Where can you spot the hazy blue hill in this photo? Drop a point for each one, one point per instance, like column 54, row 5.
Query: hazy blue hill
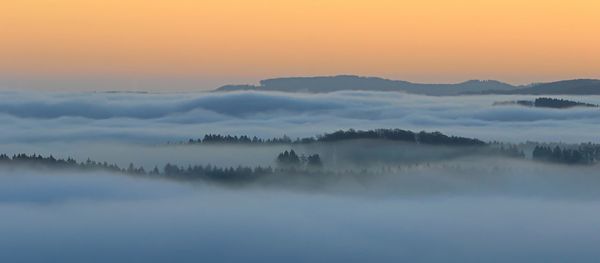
column 330, row 84
column 236, row 88
column 348, row 82
column 564, row 87
column 460, row 88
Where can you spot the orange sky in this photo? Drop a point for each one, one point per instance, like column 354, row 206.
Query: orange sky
column 242, row 41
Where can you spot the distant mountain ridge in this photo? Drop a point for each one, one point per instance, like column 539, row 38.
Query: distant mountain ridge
column 563, row 87
column 325, row 84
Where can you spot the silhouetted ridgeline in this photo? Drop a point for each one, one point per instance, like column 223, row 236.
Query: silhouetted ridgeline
column 547, row 103
column 291, row 163
column 39, row 161
column 207, row 172
column 560, row 103
column 564, row 87
column 225, row 139
column 348, row 82
column 325, row 84
column 430, row 138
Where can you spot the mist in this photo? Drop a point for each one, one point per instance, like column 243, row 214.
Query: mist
column 371, row 201
column 100, row 217
column 150, row 118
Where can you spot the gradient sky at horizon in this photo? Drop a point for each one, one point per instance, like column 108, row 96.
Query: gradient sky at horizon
column 180, row 44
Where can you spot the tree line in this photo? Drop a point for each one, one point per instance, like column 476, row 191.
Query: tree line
column 584, row 154
column 287, row 161
column 37, row 160
column 544, row 102
column 431, row 138
column 292, row 159
column 244, row 139
column 560, row 103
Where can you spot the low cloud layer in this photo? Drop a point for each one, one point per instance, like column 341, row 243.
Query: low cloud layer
column 89, row 217
column 158, row 118
column 465, row 209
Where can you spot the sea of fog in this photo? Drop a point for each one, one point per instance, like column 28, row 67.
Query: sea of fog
column 475, row 209
column 99, row 217
column 145, row 128
column 158, row 118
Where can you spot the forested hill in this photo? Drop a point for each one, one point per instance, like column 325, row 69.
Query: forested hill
column 560, row 103
column 564, row 87
column 430, row 138
column 547, row 103
column 326, row 84
column 348, row 82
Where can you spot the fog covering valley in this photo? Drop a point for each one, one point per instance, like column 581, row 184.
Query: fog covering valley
column 540, row 213
column 375, row 200
column 151, row 117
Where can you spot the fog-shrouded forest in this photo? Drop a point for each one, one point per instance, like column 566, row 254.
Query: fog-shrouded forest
column 544, row 102
column 341, row 155
column 267, row 176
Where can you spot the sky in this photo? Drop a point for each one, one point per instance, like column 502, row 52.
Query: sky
column 201, row 44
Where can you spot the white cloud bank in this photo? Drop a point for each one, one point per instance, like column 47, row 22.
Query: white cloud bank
column 523, row 214
column 53, row 217
column 157, row 118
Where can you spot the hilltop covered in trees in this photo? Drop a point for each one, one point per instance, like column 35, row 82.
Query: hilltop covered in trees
column 547, row 103
column 560, row 103
column 430, row 138
column 244, row 139
column 325, row 84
